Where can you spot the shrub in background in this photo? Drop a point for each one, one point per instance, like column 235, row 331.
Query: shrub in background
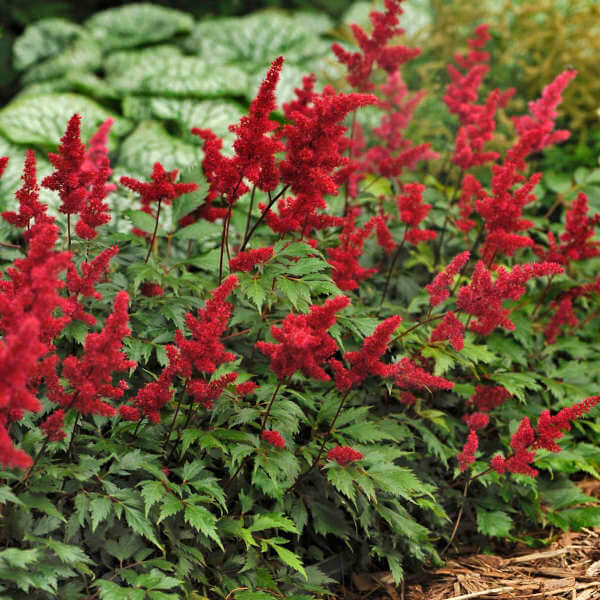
column 302, row 356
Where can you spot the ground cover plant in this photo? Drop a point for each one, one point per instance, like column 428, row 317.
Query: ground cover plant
column 302, row 357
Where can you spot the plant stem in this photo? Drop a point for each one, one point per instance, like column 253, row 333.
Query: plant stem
column 542, row 296
column 264, row 421
column 73, row 434
column 168, row 439
column 154, row 232
column 35, row 460
column 459, row 517
column 250, row 208
column 262, row 216
column 391, row 270
column 138, row 426
column 325, row 440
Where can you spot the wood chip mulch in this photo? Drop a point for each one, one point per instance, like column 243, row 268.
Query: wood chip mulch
column 568, row 569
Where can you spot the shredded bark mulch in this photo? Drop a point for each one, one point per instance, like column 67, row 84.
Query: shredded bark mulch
column 568, row 569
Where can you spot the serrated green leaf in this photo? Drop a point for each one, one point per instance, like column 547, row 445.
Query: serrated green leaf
column 289, row 558
column 6, row 495
column 443, row 361
column 41, row 503
column 141, row 220
column 203, row 521
column 171, row 505
column 517, row 383
column 200, row 231
column 399, row 481
column 264, row 521
column 99, row 509
column 152, row 492
column 140, row 525
column 343, row 481
column 15, row 557
column 493, row 523
column 111, row 591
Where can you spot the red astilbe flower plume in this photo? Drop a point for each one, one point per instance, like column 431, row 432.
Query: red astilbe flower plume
column 205, row 351
column 467, row 456
column 3, row 164
column 477, row 122
column 409, row 376
column 20, row 351
column 549, row 428
column 206, row 393
column 450, row 329
column 477, row 421
column 69, row 179
column 151, row 289
column 536, row 130
column 97, row 154
column 576, row 240
column 246, row 261
column 90, row 376
column 344, row 455
column 28, row 196
column 255, row 147
column 366, row 361
column 274, row 438
column 304, row 343
column 53, row 426
column 34, row 283
column 413, row 211
column 162, row 186
column 563, row 315
column 95, row 212
column 438, row 289
column 85, row 284
column 486, row 397
column 155, row 394
column 374, row 50
column 482, row 298
column 347, row 272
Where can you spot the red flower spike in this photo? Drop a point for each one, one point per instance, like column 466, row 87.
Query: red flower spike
column 486, row 397
column 28, row 196
column 246, row 388
column 374, row 49
column 90, row 376
column 53, row 426
column 205, row 352
column 365, row 361
column 162, row 186
column 344, row 455
column 482, row 298
column 304, row 343
column 274, row 438
column 3, row 163
column 246, row 261
column 69, row 179
column 450, row 329
column 467, row 456
column 151, row 289
column 476, row 421
column 206, row 393
column 129, row 413
column 438, row 288
column 408, row 376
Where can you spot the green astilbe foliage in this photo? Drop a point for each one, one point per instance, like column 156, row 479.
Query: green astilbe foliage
column 240, row 470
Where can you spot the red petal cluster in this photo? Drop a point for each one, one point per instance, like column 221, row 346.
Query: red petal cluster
column 412, row 211
column 344, row 455
column 365, row 362
column 482, row 298
column 438, row 288
column 273, row 437
column 450, row 329
column 373, row 48
column 467, row 456
column 53, row 426
column 304, row 343
column 408, row 376
column 487, row 397
column 246, row 261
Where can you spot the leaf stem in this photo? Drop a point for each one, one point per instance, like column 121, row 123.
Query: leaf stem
column 154, row 232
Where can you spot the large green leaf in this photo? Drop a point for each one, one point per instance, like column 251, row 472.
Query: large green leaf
column 44, row 39
column 83, row 55
column 42, row 120
column 137, row 24
column 149, row 143
column 216, row 115
column 164, row 72
column 257, row 39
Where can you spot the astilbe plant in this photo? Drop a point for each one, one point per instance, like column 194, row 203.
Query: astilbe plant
column 322, row 373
